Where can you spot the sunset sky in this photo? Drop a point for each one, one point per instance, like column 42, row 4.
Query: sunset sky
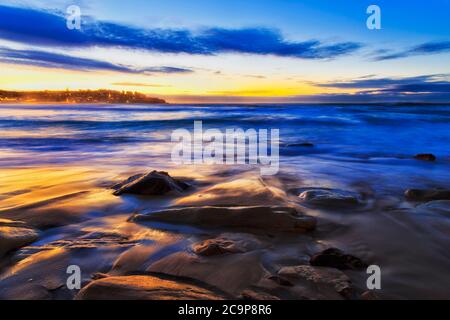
column 231, row 51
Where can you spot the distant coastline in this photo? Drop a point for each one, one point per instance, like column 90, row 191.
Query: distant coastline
column 77, row 96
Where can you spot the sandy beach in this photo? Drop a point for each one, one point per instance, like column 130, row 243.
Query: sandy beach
column 217, row 232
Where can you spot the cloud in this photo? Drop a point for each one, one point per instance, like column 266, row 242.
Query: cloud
column 371, row 82
column 422, row 49
column 61, row 61
column 45, row 28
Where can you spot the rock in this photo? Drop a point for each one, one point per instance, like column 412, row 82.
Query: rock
column 227, row 243
column 324, row 197
column 254, row 295
column 280, row 280
column 230, row 273
column 213, row 247
column 427, row 194
column 425, row 157
column 256, row 217
column 318, row 282
column 335, row 258
column 12, row 238
column 153, row 183
column 301, row 144
column 143, row 288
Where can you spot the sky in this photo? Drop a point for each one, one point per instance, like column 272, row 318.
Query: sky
column 266, row 51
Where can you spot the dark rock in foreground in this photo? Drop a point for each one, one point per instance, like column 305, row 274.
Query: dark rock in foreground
column 335, row 258
column 427, row 194
column 324, row 197
column 153, row 183
column 143, row 288
column 425, row 157
column 254, row 217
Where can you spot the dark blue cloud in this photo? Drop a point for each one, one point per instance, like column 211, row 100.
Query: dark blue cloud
column 422, row 49
column 49, row 29
column 62, row 61
column 424, row 88
column 382, row 83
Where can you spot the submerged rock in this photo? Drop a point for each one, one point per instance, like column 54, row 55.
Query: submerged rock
column 335, row 258
column 254, row 217
column 143, row 288
column 213, row 247
column 324, row 197
column 12, row 238
column 153, row 183
column 425, row 157
column 227, row 243
column 427, row 194
column 248, row 191
column 318, row 282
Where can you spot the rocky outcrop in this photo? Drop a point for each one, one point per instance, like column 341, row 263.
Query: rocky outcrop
column 425, row 157
column 283, row 219
column 335, row 258
column 12, row 238
column 143, row 287
column 153, row 183
column 333, row 198
column 427, row 194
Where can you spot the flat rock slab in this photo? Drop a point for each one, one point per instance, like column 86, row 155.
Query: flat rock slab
column 318, row 282
column 12, row 238
column 335, row 258
column 325, row 197
column 427, row 194
column 153, row 183
column 143, row 288
column 283, row 219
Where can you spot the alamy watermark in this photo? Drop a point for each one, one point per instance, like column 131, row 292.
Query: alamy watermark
column 234, row 146
column 73, row 18
column 374, row 20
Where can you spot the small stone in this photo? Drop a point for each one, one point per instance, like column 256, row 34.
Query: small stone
column 425, row 157
column 335, row 258
column 153, row 183
column 324, row 197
